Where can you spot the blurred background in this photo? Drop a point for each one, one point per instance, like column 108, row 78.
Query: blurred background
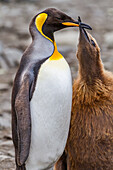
column 15, row 16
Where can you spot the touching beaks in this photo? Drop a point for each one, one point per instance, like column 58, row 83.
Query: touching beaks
column 76, row 24
column 85, row 26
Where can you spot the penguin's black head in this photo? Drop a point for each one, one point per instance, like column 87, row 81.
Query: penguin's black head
column 57, row 20
column 51, row 20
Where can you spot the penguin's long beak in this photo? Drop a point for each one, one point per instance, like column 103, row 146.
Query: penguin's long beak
column 76, row 24
column 83, row 34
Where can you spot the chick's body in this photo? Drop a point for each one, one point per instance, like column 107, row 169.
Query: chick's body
column 90, row 143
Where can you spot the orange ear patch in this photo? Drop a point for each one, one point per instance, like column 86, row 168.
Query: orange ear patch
column 39, row 22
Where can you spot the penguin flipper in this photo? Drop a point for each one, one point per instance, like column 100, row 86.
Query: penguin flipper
column 20, row 167
column 22, row 109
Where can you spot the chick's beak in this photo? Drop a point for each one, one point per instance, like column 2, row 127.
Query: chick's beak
column 76, row 24
column 83, row 35
column 85, row 26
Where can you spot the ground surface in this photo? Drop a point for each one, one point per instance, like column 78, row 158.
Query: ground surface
column 14, row 38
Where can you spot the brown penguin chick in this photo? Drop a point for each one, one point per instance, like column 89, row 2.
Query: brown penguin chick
column 90, row 141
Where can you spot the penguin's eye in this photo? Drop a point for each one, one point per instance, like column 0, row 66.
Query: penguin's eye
column 58, row 17
column 93, row 43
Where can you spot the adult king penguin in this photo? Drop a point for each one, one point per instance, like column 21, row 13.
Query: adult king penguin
column 42, row 95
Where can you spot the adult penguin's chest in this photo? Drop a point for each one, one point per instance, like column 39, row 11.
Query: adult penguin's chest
column 50, row 112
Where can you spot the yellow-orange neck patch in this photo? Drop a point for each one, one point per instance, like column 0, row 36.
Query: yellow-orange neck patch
column 56, row 55
column 39, row 22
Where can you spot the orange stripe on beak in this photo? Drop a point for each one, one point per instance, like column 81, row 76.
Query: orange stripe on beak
column 70, row 24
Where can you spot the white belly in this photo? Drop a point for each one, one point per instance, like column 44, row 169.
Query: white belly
column 50, row 114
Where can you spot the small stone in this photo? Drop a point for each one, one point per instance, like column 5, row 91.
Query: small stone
column 2, row 71
column 3, row 64
column 110, row 11
column 5, row 120
column 12, row 56
column 7, row 161
column 109, row 40
column 4, row 86
column 5, row 107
